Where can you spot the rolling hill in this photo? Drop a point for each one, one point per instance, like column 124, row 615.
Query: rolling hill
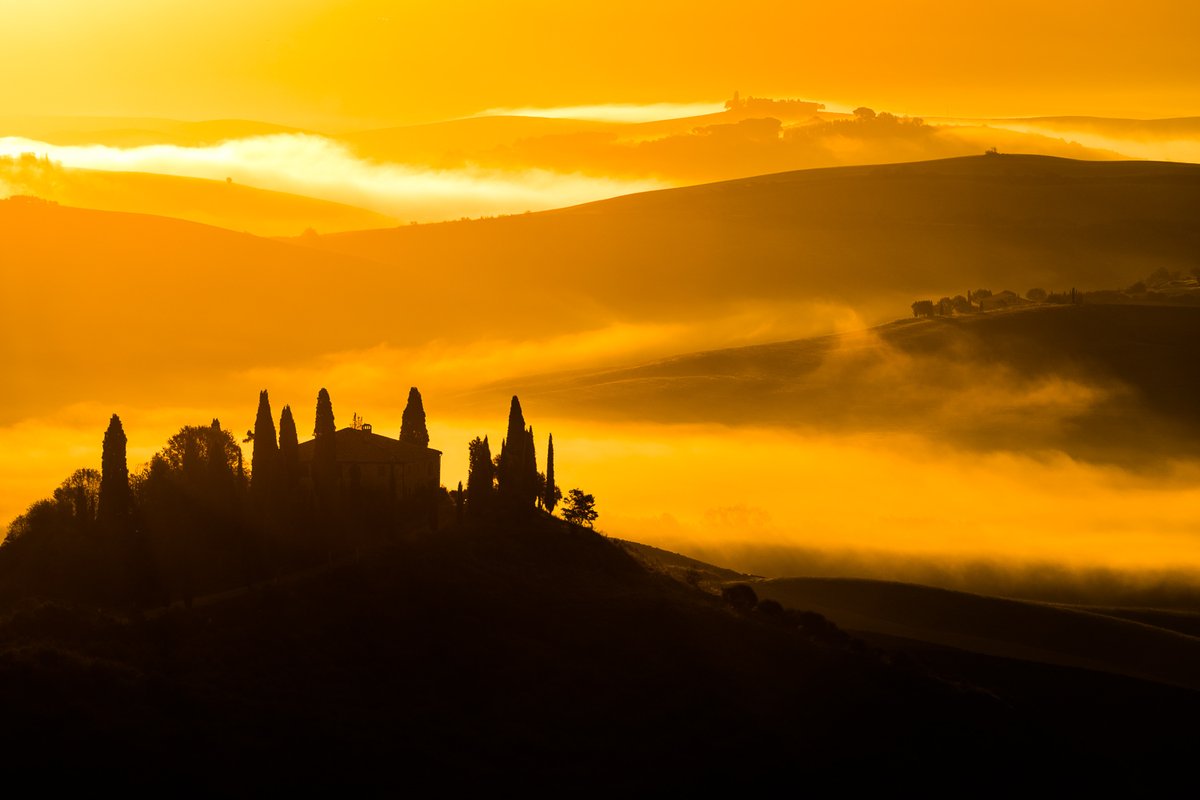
column 1040, row 377
column 1171, row 128
column 767, row 253
column 219, row 203
column 70, row 273
column 767, row 138
column 871, row 238
column 993, row 626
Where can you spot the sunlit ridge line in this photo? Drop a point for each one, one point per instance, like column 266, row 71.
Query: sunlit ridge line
column 610, row 112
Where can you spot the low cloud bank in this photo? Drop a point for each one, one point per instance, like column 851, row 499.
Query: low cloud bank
column 316, row 166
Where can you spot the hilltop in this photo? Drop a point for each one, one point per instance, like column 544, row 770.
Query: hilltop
column 509, row 653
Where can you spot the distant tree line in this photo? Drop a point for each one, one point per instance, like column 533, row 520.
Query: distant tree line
column 1161, row 287
column 980, row 300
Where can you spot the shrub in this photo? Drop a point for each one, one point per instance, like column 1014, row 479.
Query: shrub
column 740, row 596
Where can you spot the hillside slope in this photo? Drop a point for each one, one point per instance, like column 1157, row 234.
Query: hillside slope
column 756, row 260
column 1069, row 377
column 997, row 626
column 99, row 295
column 518, row 655
column 872, row 238
column 219, row 203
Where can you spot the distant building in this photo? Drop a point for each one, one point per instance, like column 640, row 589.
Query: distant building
column 368, row 461
column 1003, row 299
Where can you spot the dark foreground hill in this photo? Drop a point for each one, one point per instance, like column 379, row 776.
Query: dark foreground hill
column 1097, row 639
column 530, row 656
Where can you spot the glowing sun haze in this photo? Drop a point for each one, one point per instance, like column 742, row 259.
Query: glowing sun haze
column 353, row 62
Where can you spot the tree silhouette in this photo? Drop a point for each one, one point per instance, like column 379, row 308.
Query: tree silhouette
column 78, row 499
column 412, row 424
column 289, row 452
column 220, row 470
column 200, row 453
column 264, row 459
column 580, row 508
column 114, row 477
column 529, row 472
column 550, row 492
column 481, row 477
column 324, row 464
column 516, row 484
column 190, row 500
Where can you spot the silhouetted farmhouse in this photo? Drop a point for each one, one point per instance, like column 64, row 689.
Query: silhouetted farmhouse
column 367, row 460
column 1004, row 299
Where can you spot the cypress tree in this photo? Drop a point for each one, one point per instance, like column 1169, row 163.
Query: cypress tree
column 113, row 508
column 219, row 483
column 214, row 454
column 289, row 450
column 412, row 424
column 324, row 449
column 550, row 498
column 264, row 459
column 324, row 423
column 481, row 476
column 529, row 474
column 513, row 461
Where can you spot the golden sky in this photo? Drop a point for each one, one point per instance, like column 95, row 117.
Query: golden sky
column 330, row 63
column 340, row 67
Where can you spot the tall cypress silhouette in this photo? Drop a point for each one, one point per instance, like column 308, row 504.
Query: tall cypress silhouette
column 113, row 510
column 324, row 465
column 412, row 424
column 529, row 472
column 481, row 476
column 214, row 456
column 264, row 459
column 289, row 451
column 513, row 463
column 550, row 496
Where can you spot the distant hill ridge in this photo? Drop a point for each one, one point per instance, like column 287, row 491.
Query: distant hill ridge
column 869, row 239
column 872, row 238
column 905, row 375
